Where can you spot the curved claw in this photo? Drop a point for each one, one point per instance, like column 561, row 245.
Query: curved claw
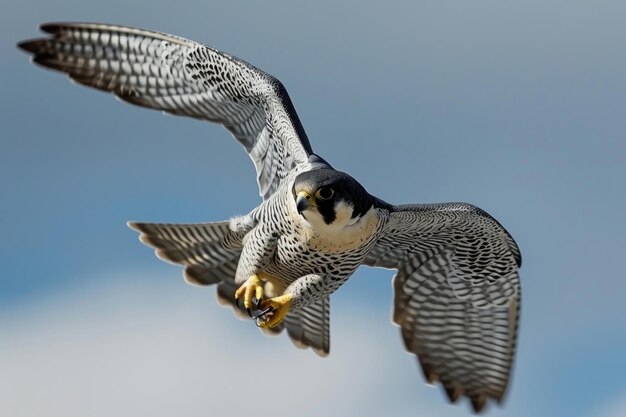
column 240, row 306
column 261, row 314
column 279, row 307
column 257, row 305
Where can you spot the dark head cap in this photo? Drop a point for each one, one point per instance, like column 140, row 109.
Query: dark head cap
column 325, row 188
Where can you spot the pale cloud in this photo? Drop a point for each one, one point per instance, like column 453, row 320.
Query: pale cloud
column 167, row 350
column 614, row 408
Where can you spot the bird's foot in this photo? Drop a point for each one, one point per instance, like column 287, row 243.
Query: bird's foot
column 273, row 311
column 252, row 293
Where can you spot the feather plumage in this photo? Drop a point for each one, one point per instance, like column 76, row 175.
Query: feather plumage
column 182, row 77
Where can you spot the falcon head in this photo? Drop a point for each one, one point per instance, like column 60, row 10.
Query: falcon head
column 330, row 200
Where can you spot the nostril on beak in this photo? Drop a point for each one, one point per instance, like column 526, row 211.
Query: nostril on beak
column 302, row 201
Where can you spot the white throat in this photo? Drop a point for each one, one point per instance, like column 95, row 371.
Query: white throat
column 345, row 233
column 342, row 220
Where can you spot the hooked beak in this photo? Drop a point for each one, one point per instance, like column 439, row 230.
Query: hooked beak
column 303, row 201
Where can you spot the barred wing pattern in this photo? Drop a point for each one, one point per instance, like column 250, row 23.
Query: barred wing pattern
column 310, row 326
column 182, row 77
column 456, row 295
column 210, row 253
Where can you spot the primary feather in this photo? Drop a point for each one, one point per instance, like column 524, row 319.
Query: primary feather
column 182, row 77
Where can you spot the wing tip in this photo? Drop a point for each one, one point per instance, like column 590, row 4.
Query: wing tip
column 321, row 352
column 453, row 392
column 144, row 231
column 193, row 276
column 152, row 241
column 55, row 28
column 51, row 27
column 478, row 402
column 29, row 45
column 166, row 256
column 430, row 375
column 137, row 226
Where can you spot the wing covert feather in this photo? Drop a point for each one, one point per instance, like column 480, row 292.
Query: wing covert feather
column 182, row 77
column 456, row 295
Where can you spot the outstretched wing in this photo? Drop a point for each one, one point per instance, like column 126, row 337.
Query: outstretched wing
column 182, row 77
column 457, row 295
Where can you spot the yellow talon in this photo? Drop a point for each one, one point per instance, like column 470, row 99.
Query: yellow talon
column 252, row 288
column 280, row 307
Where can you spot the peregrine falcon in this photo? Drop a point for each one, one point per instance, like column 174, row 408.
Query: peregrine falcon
column 456, row 286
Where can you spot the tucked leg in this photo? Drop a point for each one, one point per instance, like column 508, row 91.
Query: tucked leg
column 304, row 291
column 311, row 288
column 258, row 248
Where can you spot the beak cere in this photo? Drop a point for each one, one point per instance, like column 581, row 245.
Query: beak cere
column 303, row 201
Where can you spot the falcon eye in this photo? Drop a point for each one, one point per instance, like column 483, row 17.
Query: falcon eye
column 325, row 193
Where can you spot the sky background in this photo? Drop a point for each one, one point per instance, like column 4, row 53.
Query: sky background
column 517, row 107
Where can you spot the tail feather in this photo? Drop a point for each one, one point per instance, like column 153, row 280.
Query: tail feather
column 310, row 327
column 210, row 253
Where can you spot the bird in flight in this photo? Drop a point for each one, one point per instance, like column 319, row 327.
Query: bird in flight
column 456, row 286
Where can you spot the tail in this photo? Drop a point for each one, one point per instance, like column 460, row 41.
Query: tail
column 210, row 254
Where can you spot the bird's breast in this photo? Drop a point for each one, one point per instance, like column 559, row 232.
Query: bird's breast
column 302, row 250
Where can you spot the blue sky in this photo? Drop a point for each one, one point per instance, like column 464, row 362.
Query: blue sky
column 517, row 107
